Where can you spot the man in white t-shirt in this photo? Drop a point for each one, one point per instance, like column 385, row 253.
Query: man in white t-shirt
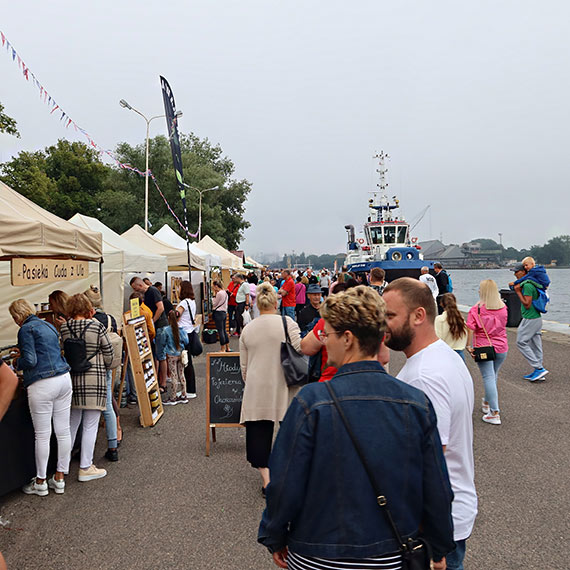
column 441, row 373
column 429, row 280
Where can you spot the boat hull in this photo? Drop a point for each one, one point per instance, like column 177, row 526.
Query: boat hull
column 394, row 269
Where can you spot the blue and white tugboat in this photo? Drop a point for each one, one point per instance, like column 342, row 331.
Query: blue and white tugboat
column 386, row 242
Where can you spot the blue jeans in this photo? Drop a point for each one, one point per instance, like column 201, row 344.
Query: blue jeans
column 455, row 559
column 109, row 414
column 460, row 352
column 490, row 372
column 288, row 312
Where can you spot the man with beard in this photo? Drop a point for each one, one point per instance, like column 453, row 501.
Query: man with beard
column 432, row 366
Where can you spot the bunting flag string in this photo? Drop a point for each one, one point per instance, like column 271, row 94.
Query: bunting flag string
column 47, row 98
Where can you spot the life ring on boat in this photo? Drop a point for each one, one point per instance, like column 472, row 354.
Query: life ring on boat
column 360, row 241
column 414, row 240
column 396, row 256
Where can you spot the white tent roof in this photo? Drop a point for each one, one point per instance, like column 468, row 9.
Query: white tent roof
column 228, row 259
column 28, row 230
column 177, row 258
column 169, row 236
column 118, row 252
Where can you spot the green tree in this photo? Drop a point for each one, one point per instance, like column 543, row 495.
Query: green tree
column 7, row 124
column 556, row 249
column 204, row 166
column 65, row 178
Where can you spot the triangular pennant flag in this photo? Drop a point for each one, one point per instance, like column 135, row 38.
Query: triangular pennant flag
column 3, row 39
column 13, row 54
column 56, row 107
column 68, row 123
column 19, row 60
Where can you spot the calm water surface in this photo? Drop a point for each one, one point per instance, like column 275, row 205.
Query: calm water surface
column 466, row 288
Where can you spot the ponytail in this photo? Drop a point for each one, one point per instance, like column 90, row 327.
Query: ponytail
column 455, row 320
column 175, row 330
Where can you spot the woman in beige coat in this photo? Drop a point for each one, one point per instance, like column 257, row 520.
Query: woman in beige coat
column 266, row 395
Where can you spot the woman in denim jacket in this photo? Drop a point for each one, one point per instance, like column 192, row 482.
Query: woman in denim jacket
column 321, row 507
column 47, row 379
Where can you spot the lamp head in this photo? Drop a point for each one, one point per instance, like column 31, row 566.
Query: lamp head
column 124, row 104
column 178, row 114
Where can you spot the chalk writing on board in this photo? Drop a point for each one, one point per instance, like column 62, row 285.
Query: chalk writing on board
column 226, row 389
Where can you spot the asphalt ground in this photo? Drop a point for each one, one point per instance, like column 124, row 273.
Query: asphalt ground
column 164, row 504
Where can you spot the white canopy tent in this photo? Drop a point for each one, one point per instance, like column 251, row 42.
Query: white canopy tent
column 120, row 257
column 253, row 263
column 228, row 259
column 169, row 236
column 177, row 258
column 26, row 230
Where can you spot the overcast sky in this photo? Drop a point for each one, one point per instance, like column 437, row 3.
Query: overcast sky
column 470, row 99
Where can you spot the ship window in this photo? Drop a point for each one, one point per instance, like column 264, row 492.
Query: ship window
column 389, row 234
column 402, row 234
column 376, row 235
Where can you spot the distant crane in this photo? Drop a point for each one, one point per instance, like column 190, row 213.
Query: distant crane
column 419, row 217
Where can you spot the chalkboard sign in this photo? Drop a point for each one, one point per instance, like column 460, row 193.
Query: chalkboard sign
column 224, row 392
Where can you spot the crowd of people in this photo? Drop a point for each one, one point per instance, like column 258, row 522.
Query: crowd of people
column 327, row 477
column 345, row 328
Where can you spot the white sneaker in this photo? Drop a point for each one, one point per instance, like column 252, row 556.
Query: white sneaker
column 485, row 407
column 57, row 486
column 91, row 473
column 190, row 396
column 492, row 418
column 33, row 488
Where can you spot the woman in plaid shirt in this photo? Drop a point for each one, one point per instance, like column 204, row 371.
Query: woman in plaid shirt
column 89, row 388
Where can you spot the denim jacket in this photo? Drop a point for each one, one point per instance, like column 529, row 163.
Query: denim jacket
column 40, row 351
column 320, row 501
column 171, row 349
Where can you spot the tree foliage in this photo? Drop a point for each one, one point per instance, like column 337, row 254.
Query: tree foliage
column 204, row 166
column 7, row 124
column 69, row 177
column 556, row 250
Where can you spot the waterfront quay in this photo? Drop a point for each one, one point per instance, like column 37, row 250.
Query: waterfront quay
column 165, row 505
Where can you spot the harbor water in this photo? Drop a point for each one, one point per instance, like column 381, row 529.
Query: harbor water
column 466, row 288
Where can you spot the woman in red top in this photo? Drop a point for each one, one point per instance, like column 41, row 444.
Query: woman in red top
column 232, row 303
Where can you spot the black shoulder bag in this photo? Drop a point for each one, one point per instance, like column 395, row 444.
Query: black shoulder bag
column 295, row 365
column 416, row 552
column 484, row 353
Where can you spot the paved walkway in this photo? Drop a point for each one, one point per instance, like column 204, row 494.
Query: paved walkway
column 165, row 505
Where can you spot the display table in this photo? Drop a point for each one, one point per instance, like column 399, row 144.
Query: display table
column 17, row 460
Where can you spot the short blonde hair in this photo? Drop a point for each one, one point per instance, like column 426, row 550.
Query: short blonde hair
column 20, row 309
column 529, row 260
column 266, row 297
column 489, row 295
column 361, row 311
column 79, row 306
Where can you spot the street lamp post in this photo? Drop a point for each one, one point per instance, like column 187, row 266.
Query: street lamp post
column 125, row 105
column 200, row 207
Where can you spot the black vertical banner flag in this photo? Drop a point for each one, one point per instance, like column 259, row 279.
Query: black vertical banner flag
column 172, row 126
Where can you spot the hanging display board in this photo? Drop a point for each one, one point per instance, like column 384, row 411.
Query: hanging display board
column 29, row 271
column 142, row 366
column 224, row 393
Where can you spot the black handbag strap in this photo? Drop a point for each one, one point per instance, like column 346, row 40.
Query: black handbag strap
column 483, row 324
column 287, row 338
column 380, row 498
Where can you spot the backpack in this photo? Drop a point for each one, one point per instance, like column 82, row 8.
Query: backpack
column 449, row 288
column 116, row 343
column 75, row 352
column 542, row 301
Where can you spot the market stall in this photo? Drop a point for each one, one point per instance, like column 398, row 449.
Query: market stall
column 39, row 252
column 177, row 262
column 122, row 259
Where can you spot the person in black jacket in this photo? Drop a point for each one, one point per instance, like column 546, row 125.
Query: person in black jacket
column 442, row 281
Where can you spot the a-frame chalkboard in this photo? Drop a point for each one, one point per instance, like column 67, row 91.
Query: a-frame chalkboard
column 224, row 393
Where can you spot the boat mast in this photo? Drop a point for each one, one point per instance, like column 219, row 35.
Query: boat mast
column 380, row 205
